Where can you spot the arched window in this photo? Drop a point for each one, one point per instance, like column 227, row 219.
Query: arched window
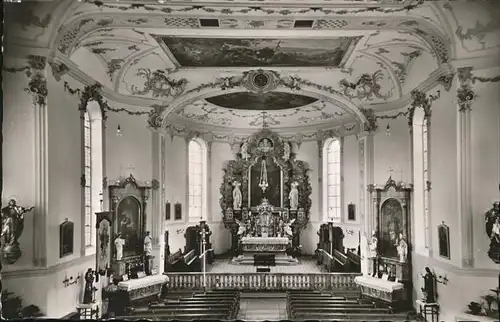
column 332, row 188
column 197, row 156
column 92, row 173
column 420, row 180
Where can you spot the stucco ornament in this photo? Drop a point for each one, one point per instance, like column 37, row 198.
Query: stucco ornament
column 37, row 86
column 365, row 87
column 159, row 84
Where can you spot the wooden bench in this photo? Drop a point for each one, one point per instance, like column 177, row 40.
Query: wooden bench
column 350, row 316
column 182, row 317
column 175, row 262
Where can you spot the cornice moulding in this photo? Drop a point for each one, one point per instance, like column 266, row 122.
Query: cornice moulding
column 451, row 268
column 37, row 272
column 483, row 62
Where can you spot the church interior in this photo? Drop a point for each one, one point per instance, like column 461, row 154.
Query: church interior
column 251, row 160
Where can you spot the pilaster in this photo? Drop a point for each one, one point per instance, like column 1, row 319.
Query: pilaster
column 465, row 97
column 321, row 208
column 185, row 206
column 162, row 202
column 155, row 204
column 38, row 88
column 366, row 213
column 209, row 215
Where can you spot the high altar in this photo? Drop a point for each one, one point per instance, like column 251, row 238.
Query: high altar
column 265, row 198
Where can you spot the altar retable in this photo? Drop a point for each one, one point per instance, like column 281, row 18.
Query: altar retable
column 273, row 190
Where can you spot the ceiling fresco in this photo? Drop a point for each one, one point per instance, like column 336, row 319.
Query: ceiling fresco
column 261, row 102
column 232, row 52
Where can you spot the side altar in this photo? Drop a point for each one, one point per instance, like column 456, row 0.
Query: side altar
column 265, row 198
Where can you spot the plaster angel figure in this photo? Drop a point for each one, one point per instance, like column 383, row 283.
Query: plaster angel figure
column 286, row 153
column 244, row 151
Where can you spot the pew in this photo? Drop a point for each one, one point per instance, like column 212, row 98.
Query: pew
column 175, row 262
column 192, row 262
column 355, row 261
column 212, row 305
column 341, row 263
column 314, row 305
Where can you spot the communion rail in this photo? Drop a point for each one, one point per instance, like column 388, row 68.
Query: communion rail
column 264, row 281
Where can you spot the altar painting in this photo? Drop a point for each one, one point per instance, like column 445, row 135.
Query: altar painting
column 104, row 249
column 128, row 212
column 392, row 224
column 273, row 192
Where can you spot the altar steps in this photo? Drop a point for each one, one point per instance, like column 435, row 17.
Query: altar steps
column 279, row 259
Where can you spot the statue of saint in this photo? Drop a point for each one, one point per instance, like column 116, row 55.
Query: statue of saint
column 241, row 228
column 372, row 253
column 148, row 250
column 288, row 228
column 294, row 196
column 402, row 248
column 148, row 244
column 119, row 242
column 286, row 152
column 89, row 287
column 244, row 151
column 237, row 198
column 492, row 220
column 429, row 286
column 12, row 228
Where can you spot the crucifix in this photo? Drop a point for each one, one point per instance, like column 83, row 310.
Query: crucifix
column 130, row 168
column 391, row 170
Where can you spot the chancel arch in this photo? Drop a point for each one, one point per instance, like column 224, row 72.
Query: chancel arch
column 197, row 173
column 92, row 172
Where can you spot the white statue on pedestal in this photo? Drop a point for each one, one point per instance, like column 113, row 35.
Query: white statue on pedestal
column 294, row 196
column 402, row 249
column 237, row 198
column 372, row 252
column 241, row 227
column 288, row 228
column 244, row 151
column 119, row 242
column 148, row 244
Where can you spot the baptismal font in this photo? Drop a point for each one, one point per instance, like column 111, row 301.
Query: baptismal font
column 265, row 198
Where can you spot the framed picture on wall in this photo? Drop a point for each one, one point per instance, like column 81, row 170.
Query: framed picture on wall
column 66, row 230
column 444, row 240
column 351, row 212
column 167, row 210
column 177, row 211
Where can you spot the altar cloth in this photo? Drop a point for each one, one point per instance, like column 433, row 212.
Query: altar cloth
column 143, row 282
column 265, row 240
column 378, row 284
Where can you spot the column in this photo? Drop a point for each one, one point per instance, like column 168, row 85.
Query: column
column 40, row 225
column 155, row 214
column 465, row 96
column 343, row 209
column 366, row 213
column 320, row 181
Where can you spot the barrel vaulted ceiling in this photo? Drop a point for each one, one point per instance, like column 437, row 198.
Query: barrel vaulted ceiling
column 230, row 65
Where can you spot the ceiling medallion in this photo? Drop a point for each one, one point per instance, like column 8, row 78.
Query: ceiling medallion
column 261, row 81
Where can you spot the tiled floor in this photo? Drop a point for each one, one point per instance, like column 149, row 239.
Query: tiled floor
column 305, row 265
column 262, row 309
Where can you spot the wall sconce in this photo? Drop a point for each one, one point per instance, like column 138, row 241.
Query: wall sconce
column 442, row 279
column 388, row 129
column 67, row 282
column 119, row 131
